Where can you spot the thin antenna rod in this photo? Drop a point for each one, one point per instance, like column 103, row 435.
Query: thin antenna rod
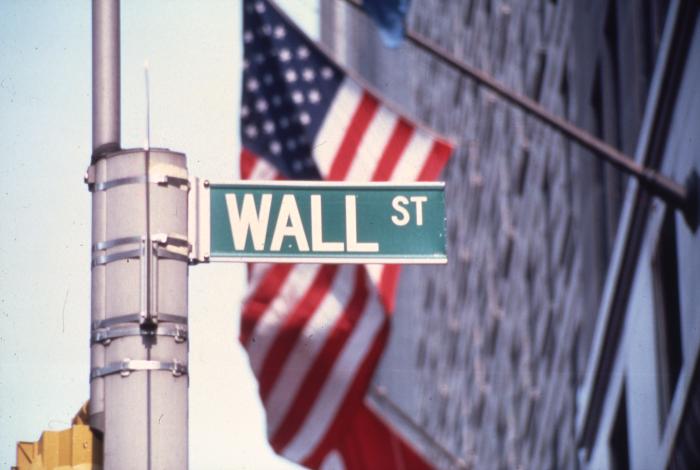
column 148, row 105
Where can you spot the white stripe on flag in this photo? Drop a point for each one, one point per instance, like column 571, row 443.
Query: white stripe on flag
column 335, row 124
column 307, row 347
column 375, row 271
column 333, row 461
column 372, row 145
column 298, row 282
column 414, row 157
column 257, row 274
column 344, row 372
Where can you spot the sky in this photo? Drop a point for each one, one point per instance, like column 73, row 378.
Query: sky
column 193, row 51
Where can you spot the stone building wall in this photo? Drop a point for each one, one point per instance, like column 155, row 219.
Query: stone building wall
column 486, row 353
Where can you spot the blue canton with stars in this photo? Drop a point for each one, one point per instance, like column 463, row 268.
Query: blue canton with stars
column 288, row 86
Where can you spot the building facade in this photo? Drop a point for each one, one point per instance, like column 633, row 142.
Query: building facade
column 564, row 332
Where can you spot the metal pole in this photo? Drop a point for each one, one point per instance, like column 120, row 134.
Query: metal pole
column 106, row 122
column 106, row 95
column 138, row 376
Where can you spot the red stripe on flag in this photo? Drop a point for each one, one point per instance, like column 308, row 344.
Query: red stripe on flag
column 256, row 304
column 248, row 160
column 372, row 443
column 353, row 136
column 353, row 399
column 293, row 325
column 387, row 286
column 394, row 148
column 323, row 365
column 439, row 154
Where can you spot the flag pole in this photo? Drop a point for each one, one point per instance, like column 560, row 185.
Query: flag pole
column 682, row 197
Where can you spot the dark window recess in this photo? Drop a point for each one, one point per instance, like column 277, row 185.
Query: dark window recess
column 609, row 179
column 538, row 78
column 420, row 356
column 667, row 312
column 564, row 90
column 468, row 13
column 492, row 339
column 429, row 295
column 507, row 256
column 452, row 234
column 620, row 97
column 612, row 44
column 477, row 413
column 459, row 90
column 515, row 350
column 619, row 442
column 452, row 348
column 501, row 430
column 653, row 14
column 599, row 176
column 442, row 413
column 554, row 449
column 608, row 99
column 521, row 172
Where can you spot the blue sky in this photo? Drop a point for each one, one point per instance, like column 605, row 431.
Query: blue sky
column 193, row 49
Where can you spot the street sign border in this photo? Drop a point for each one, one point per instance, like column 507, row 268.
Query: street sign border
column 200, row 222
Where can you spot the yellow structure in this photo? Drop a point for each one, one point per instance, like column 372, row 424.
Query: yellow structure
column 76, row 448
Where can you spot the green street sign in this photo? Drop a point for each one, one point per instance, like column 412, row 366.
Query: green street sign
column 324, row 222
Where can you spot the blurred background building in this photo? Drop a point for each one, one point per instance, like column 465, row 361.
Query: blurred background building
column 564, row 332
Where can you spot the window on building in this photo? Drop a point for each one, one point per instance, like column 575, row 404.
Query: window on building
column 616, row 99
column 604, row 241
column 667, row 313
column 619, row 440
column 612, row 40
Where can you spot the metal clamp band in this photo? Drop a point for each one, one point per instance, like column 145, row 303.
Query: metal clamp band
column 164, row 253
column 98, row 260
column 174, row 239
column 107, row 244
column 127, row 366
column 163, row 239
column 106, row 335
column 167, row 180
column 136, row 318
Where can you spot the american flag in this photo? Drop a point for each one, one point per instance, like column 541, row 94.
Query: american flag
column 314, row 334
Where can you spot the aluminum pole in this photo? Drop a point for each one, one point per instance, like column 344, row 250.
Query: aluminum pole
column 106, row 95
column 138, row 376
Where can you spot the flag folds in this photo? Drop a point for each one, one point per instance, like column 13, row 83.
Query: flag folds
column 314, row 333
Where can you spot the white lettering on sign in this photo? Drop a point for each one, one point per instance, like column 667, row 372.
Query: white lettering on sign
column 351, row 229
column 317, row 243
column 418, row 201
column 289, row 214
column 399, row 203
column 248, row 219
